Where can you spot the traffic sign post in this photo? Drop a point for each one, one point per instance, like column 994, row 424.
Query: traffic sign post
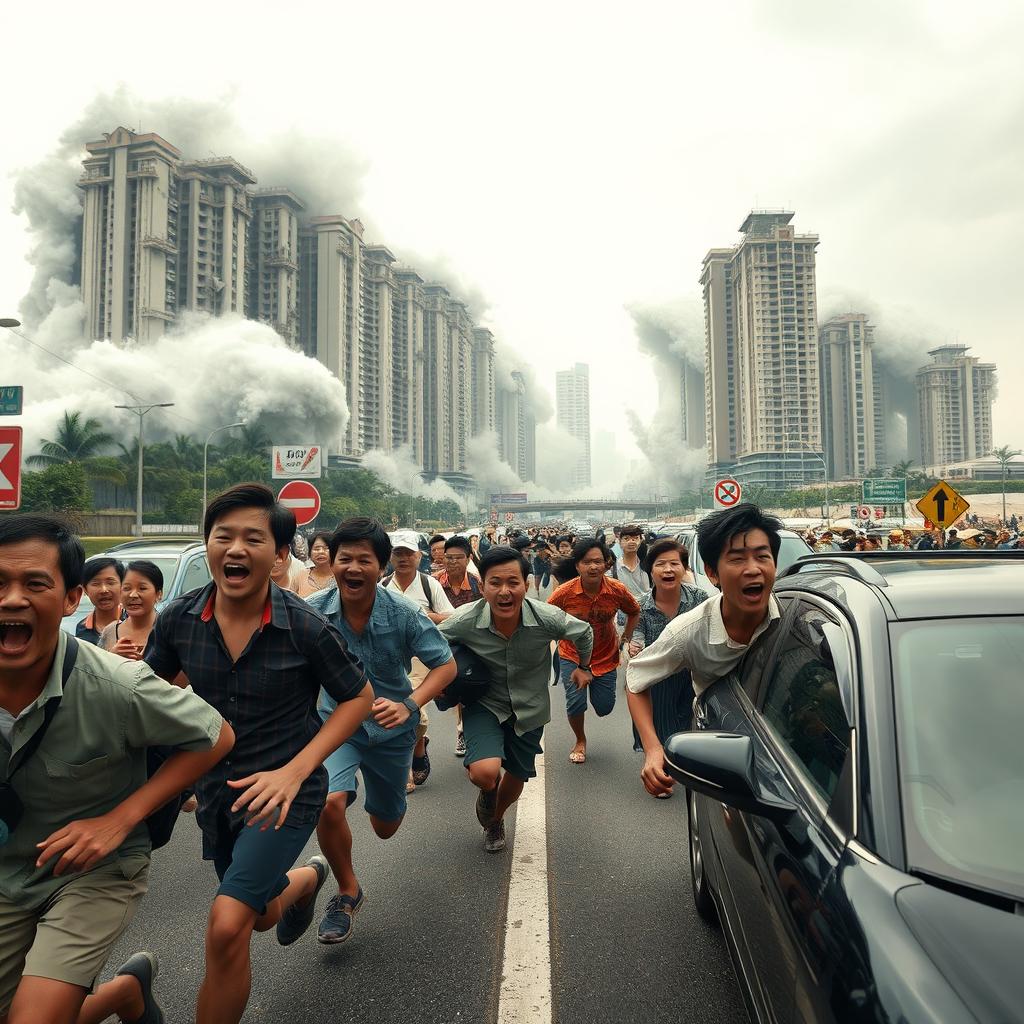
column 10, row 468
column 883, row 492
column 302, row 498
column 864, row 513
column 727, row 493
column 11, row 398
column 943, row 506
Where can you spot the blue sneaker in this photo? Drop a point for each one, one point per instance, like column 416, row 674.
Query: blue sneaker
column 337, row 923
column 299, row 916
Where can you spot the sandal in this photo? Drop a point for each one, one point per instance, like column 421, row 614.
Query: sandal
column 578, row 757
column 421, row 765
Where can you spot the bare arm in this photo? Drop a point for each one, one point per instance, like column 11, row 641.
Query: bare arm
column 655, row 779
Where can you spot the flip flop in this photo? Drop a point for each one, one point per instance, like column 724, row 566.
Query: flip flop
column 578, row 757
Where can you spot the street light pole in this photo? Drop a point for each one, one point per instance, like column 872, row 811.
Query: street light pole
column 206, row 448
column 140, row 411
column 824, row 465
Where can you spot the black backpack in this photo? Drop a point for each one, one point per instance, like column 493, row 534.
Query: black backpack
column 471, row 682
column 424, row 583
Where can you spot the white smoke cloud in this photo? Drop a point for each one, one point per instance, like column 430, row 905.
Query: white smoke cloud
column 398, row 469
column 673, row 468
column 557, row 452
column 670, row 331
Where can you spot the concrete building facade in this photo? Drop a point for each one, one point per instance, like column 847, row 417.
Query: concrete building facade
column 762, row 383
column 955, row 392
column 272, row 248
column 572, row 406
column 853, row 418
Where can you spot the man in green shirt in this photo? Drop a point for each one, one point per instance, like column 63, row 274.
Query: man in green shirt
column 512, row 635
column 74, row 792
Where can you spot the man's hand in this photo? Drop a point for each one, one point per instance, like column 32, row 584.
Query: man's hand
column 653, row 775
column 635, row 647
column 128, row 649
column 389, row 713
column 83, row 843
column 582, row 678
column 266, row 792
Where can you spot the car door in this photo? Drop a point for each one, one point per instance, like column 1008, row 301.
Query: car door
column 195, row 574
column 792, row 706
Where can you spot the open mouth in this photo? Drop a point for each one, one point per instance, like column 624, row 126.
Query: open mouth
column 15, row 636
column 354, row 583
column 236, row 571
column 753, row 591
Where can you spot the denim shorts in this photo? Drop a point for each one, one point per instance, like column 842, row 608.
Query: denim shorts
column 601, row 690
column 384, row 766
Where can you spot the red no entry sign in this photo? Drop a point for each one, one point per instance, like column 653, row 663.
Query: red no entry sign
column 10, row 467
column 302, row 498
column 727, row 493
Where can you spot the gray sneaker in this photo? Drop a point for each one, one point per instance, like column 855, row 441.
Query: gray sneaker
column 336, row 927
column 494, row 837
column 486, row 801
column 143, row 967
column 460, row 744
column 299, row 916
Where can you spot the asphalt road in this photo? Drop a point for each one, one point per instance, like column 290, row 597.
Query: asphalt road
column 626, row 942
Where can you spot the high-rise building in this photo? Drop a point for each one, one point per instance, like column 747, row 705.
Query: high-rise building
column 408, row 307
column 691, row 406
column 484, row 410
column 762, row 386
column 852, row 417
column 572, row 405
column 954, row 394
column 516, row 427
column 130, row 228
column 272, row 248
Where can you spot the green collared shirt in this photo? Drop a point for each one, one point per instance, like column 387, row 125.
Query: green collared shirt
column 520, row 665
column 92, row 758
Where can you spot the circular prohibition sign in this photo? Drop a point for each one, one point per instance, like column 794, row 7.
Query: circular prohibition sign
column 727, row 492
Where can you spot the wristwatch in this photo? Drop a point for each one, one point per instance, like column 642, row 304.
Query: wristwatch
column 584, row 668
column 412, row 705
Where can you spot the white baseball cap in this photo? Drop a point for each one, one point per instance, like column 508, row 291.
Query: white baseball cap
column 408, row 539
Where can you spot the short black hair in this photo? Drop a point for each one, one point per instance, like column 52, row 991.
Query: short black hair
column 659, row 547
column 522, row 543
column 716, row 530
column 323, row 535
column 96, row 565
column 632, row 530
column 502, row 555
column 148, row 569
column 282, row 520
column 579, row 551
column 360, row 528
column 564, row 537
column 52, row 529
column 462, row 543
column 437, row 537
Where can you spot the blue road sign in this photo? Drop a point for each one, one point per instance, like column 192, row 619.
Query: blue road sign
column 11, row 399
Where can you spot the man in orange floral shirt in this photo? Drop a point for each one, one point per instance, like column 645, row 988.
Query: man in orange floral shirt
column 595, row 598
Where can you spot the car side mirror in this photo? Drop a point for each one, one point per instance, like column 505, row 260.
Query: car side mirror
column 721, row 765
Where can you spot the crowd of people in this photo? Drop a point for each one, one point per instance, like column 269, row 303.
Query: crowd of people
column 303, row 667
column 974, row 535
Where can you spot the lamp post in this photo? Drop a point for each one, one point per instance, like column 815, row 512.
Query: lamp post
column 206, row 448
column 824, row 466
column 140, row 411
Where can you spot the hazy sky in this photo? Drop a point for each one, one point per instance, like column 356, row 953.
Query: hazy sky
column 569, row 159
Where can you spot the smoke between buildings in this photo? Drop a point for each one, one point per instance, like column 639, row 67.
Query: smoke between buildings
column 214, row 370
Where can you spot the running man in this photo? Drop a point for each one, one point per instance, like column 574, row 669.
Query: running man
column 260, row 656
column 512, row 635
column 385, row 632
column 739, row 548
column 595, row 598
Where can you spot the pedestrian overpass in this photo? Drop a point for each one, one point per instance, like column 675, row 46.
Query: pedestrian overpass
column 641, row 508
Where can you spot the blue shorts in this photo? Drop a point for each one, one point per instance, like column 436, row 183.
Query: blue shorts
column 253, row 866
column 385, row 767
column 601, row 690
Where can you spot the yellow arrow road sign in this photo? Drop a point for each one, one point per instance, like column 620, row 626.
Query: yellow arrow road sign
column 942, row 505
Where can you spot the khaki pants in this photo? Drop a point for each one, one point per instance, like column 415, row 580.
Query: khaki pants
column 417, row 674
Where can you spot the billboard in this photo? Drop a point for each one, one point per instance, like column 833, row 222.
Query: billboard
column 297, row 461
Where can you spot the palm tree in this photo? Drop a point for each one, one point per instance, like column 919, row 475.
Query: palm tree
column 1004, row 455
column 80, row 443
column 901, row 470
column 249, row 441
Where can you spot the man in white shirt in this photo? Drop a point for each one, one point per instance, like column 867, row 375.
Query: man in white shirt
column 423, row 590
column 739, row 547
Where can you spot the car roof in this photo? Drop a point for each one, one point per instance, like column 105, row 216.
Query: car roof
column 156, row 547
column 927, row 584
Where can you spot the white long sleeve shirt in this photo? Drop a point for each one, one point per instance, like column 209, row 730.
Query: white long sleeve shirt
column 696, row 640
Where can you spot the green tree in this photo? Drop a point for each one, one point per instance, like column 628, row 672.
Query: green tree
column 901, row 470
column 185, row 506
column 61, row 487
column 82, row 443
column 1004, row 455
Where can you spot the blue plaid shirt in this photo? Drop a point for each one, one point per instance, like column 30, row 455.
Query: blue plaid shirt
column 268, row 696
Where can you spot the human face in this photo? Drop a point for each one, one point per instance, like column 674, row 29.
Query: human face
column 138, row 595
column 241, row 553
column 456, row 561
column 592, row 566
column 630, row 543
column 320, row 553
column 667, row 570
column 564, row 548
column 104, row 590
column 406, row 562
column 33, row 600
column 746, row 572
column 357, row 570
column 504, row 590
column 437, row 551
column 474, row 542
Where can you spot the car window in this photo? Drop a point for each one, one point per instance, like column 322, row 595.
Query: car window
column 801, row 702
column 196, row 575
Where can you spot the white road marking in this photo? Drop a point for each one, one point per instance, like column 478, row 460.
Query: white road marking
column 525, row 996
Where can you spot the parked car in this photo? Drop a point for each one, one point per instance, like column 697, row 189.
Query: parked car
column 856, row 793
column 793, row 547
column 182, row 562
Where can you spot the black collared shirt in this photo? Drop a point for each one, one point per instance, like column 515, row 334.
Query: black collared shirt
column 268, row 696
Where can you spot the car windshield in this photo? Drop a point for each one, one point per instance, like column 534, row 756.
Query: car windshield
column 166, row 564
column 791, row 549
column 960, row 722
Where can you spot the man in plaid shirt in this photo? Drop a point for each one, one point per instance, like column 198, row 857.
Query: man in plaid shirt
column 259, row 655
